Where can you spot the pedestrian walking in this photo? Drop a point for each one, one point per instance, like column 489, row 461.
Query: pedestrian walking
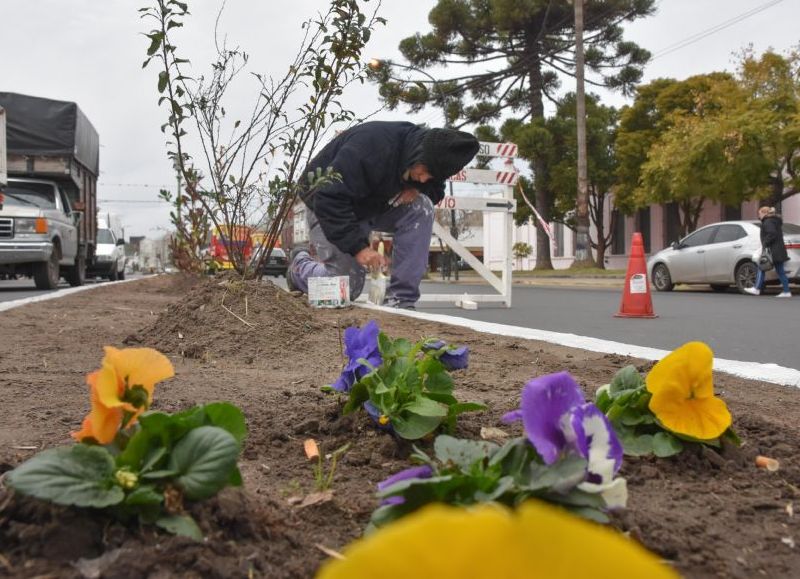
column 390, row 176
column 772, row 245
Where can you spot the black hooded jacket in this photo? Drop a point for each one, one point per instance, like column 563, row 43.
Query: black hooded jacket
column 371, row 159
column 772, row 237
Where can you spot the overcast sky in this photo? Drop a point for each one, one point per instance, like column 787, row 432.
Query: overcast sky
column 90, row 52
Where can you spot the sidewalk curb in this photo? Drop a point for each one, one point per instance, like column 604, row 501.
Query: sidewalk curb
column 10, row 305
column 749, row 370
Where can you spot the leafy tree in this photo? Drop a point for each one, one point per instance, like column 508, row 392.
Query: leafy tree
column 772, row 115
column 675, row 144
column 520, row 47
column 601, row 123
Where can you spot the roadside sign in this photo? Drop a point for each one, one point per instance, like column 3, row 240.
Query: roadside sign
column 508, row 150
column 486, row 176
column 478, row 204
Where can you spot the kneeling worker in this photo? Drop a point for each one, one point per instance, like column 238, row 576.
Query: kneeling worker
column 391, row 174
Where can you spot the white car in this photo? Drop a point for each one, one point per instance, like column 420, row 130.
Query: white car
column 721, row 255
column 109, row 255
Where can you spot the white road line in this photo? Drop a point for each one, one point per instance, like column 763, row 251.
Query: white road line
column 4, row 306
column 749, row 370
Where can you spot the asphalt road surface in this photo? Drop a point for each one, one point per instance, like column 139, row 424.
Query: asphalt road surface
column 737, row 327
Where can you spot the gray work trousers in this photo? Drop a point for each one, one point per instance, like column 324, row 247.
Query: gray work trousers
column 411, row 225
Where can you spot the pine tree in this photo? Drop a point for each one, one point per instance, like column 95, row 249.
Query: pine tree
column 508, row 56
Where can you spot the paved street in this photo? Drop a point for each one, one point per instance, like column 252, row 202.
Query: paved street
column 754, row 329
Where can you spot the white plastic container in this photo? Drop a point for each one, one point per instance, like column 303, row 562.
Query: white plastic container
column 329, row 292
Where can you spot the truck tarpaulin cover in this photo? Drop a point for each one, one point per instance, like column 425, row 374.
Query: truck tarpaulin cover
column 39, row 126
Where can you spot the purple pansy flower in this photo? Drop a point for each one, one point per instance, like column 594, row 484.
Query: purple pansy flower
column 376, row 415
column 423, row 471
column 557, row 420
column 359, row 343
column 453, row 358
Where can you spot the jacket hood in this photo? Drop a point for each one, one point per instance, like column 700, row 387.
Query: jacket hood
column 412, row 148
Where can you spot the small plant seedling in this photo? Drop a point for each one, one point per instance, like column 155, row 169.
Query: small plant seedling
column 322, row 479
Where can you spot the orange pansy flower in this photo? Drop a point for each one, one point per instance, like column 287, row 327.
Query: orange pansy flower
column 124, row 384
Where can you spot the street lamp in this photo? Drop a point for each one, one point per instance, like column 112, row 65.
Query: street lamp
column 376, row 64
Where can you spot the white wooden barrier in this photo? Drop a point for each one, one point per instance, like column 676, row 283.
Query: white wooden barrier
column 505, row 204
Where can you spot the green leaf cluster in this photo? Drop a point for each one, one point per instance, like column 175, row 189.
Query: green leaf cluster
column 466, row 472
column 412, row 388
column 190, row 454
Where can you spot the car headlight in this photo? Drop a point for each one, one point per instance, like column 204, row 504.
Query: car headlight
column 30, row 225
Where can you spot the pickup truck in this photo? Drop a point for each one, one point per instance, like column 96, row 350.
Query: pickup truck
column 48, row 225
column 39, row 232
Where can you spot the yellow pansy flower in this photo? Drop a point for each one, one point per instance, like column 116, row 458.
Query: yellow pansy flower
column 492, row 542
column 682, row 389
column 114, row 390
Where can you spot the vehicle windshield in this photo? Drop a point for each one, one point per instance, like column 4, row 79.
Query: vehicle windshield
column 104, row 236
column 40, row 195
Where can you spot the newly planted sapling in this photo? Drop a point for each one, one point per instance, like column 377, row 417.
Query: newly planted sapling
column 569, row 456
column 405, row 387
column 136, row 463
column 675, row 404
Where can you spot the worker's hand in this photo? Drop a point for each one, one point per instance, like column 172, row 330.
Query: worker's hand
column 405, row 197
column 371, row 259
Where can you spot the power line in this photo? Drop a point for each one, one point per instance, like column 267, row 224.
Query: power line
column 714, row 29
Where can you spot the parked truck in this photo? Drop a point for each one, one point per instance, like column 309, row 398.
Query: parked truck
column 48, row 222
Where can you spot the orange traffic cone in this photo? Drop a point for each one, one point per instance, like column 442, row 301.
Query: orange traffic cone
column 636, row 299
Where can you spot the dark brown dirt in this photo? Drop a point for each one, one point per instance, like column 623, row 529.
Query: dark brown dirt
column 710, row 514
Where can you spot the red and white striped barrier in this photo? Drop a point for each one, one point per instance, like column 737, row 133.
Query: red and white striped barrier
column 486, row 176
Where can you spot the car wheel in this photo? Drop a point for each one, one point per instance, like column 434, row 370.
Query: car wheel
column 717, row 287
column 121, row 276
column 76, row 274
column 662, row 281
column 113, row 276
column 46, row 274
column 745, row 276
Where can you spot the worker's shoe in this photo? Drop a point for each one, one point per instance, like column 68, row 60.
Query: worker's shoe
column 395, row 303
column 298, row 250
column 752, row 291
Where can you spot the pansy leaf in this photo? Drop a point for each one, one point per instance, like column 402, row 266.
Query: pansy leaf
column 503, row 485
column 439, row 382
column 357, row 396
column 579, row 498
column 413, row 426
column 603, row 399
column 144, row 495
column 591, row 514
column 462, row 452
column 204, row 459
column 560, row 476
column 454, row 410
column 448, row 399
column 228, row 417
column 664, row 445
column 632, row 417
column 628, row 378
column 425, row 407
column 79, row 475
column 182, row 525
column 635, row 444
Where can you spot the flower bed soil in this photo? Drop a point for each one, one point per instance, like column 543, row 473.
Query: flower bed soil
column 711, row 514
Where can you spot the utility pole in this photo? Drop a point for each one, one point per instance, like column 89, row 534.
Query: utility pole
column 583, row 252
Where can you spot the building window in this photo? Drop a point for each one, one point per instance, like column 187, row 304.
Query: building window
column 672, row 223
column 643, row 226
column 558, row 232
column 732, row 213
column 618, row 234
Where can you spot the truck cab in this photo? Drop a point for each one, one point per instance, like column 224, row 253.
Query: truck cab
column 39, row 232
